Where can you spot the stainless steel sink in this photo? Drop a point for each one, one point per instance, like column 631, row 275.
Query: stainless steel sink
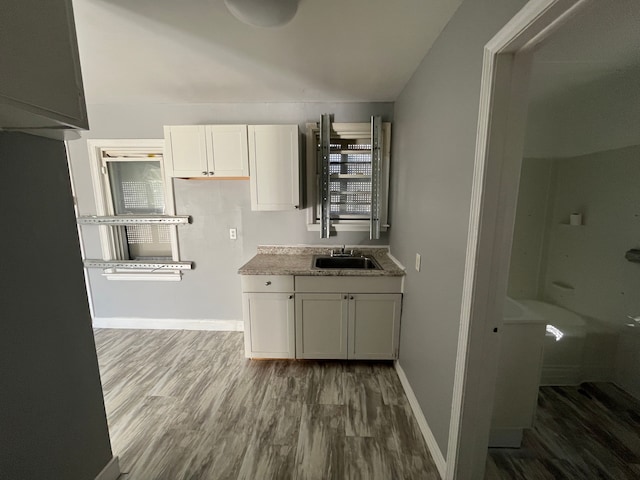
column 347, row 262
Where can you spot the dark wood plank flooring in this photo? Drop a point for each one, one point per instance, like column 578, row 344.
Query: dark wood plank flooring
column 188, row 405
column 586, row 432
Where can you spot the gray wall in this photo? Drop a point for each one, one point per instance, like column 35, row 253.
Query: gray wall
column 52, row 414
column 433, row 151
column 212, row 290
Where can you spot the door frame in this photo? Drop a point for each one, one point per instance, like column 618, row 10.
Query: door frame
column 499, row 145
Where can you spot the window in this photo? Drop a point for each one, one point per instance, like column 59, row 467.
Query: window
column 350, row 180
column 128, row 181
column 135, row 187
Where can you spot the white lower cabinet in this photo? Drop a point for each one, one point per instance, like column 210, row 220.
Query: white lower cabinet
column 321, row 325
column 268, row 309
column 352, row 326
column 311, row 321
column 269, row 325
column 374, row 325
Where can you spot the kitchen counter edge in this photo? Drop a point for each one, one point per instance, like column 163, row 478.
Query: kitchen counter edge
column 298, row 261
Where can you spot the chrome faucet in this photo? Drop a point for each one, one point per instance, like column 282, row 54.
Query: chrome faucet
column 342, row 252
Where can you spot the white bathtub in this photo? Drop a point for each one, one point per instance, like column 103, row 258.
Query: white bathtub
column 516, row 312
column 585, row 352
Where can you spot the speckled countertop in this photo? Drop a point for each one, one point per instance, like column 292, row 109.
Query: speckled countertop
column 283, row 260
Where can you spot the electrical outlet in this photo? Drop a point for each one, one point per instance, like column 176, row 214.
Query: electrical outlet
column 233, row 234
column 418, row 261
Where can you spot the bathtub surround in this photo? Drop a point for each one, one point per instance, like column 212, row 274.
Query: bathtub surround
column 583, row 267
column 536, row 186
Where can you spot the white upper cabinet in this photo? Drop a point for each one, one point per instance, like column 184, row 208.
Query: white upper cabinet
column 186, row 151
column 227, row 150
column 206, row 151
column 274, row 167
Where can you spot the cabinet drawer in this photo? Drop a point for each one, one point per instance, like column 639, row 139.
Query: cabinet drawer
column 345, row 284
column 267, row 283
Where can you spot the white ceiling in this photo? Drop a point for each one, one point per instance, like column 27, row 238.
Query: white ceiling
column 585, row 88
column 195, row 51
column 600, row 43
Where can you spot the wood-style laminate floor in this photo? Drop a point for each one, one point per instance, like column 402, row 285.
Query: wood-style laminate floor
column 582, row 433
column 188, row 405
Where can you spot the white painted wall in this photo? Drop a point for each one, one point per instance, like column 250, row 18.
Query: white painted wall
column 212, row 289
column 433, row 155
column 530, row 227
column 590, row 117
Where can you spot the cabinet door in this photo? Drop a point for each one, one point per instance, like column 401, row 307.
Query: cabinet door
column 374, row 325
column 274, row 161
column 269, row 325
column 321, row 325
column 228, row 151
column 186, row 151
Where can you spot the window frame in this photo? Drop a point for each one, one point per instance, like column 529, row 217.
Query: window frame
column 111, row 241
column 346, row 131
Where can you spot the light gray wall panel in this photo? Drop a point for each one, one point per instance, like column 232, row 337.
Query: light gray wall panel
column 590, row 258
column 433, row 151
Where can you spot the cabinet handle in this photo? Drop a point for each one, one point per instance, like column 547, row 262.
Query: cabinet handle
column 267, row 283
column 345, row 297
column 204, row 173
column 211, row 173
column 296, row 206
column 351, row 298
column 290, row 297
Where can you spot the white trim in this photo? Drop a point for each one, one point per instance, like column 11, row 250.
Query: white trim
column 101, row 194
column 169, row 324
column 500, row 135
column 85, row 272
column 553, row 375
column 158, row 276
column 505, row 438
column 111, row 471
column 432, row 445
column 345, row 227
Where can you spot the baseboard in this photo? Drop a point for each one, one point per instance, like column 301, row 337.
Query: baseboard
column 505, row 438
column 436, row 453
column 169, row 324
column 111, row 471
column 560, row 375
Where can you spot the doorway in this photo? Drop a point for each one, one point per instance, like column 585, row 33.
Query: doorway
column 501, row 127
